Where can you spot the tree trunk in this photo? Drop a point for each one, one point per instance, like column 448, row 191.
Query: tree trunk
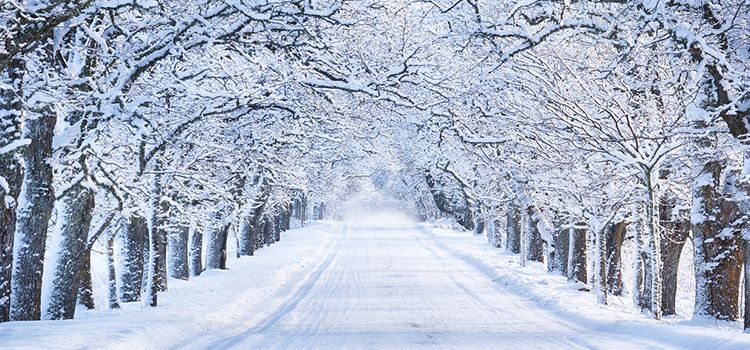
column 277, row 228
column 36, row 200
column 268, row 230
column 178, row 251
column 513, row 229
column 196, row 249
column 601, row 262
column 11, row 170
column 247, row 242
column 113, row 301
column 152, row 272
column 246, row 246
column 746, row 250
column 162, row 231
column 86, row 287
column 675, row 234
column 494, row 236
column 577, row 253
column 134, row 247
column 615, row 239
column 217, row 247
column 479, row 226
column 535, row 242
column 74, row 223
column 718, row 253
column 562, row 248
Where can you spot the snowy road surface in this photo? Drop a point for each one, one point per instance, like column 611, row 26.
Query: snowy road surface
column 371, row 284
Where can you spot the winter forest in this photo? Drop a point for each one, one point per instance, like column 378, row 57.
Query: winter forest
column 604, row 145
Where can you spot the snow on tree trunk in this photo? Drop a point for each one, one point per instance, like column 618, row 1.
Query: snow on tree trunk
column 152, row 270
column 196, row 249
column 74, row 221
column 162, row 231
column 615, row 239
column 718, row 253
column 494, row 237
column 36, row 201
column 654, row 248
column 178, row 251
column 134, row 245
column 600, row 259
column 11, row 172
column 114, row 303
column 513, row 229
column 535, row 244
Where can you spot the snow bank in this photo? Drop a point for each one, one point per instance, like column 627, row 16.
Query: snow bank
column 216, row 299
column 553, row 292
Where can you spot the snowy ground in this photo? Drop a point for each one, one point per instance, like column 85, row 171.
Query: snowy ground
column 378, row 283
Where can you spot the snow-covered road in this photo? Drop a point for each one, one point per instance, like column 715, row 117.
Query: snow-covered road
column 395, row 286
column 372, row 284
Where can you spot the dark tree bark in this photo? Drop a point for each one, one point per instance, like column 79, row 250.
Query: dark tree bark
column 196, row 249
column 178, row 251
column 577, row 259
column 78, row 205
column 615, row 238
column 268, row 229
column 86, row 287
column 479, row 227
column 135, row 246
column 37, row 200
column 513, row 229
column 12, row 171
column 560, row 261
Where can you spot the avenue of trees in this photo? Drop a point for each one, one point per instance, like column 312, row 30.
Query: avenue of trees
column 561, row 129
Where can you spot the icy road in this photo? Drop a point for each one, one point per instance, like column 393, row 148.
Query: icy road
column 372, row 285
